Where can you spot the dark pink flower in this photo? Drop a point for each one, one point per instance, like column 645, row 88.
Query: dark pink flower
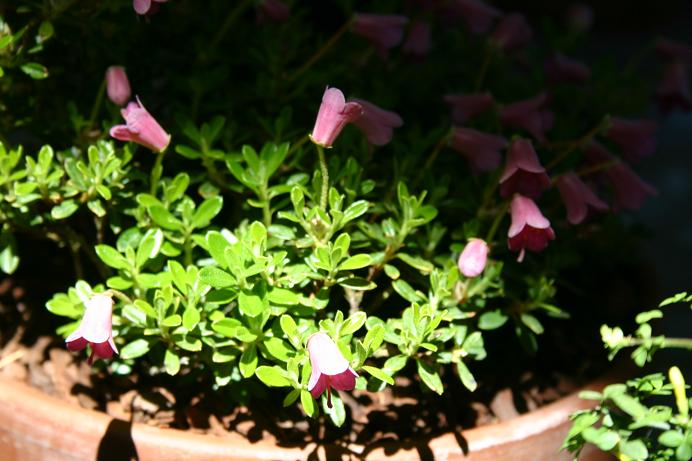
column 674, row 90
column 560, row 68
column 273, row 10
column 672, row 49
column 478, row 16
column 577, row 197
column 95, row 329
column 418, row 42
column 481, row 149
column 333, row 116
column 377, row 124
column 579, row 17
column 523, row 172
column 512, row 33
column 530, row 230
column 530, row 114
column 629, row 189
column 636, row 138
column 329, row 368
column 117, row 85
column 146, row 6
column 384, row 31
column 474, row 257
column 466, row 106
column 141, row 127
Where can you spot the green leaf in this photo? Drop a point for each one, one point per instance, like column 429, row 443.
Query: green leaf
column 629, row 405
column 466, row 377
column 357, row 283
column 430, row 377
column 9, row 261
column 191, row 317
column 35, row 70
column 64, row 210
column 395, row 363
column 416, row 262
column 291, row 397
column 136, row 348
column 149, row 246
column 634, row 449
column 356, row 262
column 164, row 218
column 272, row 376
column 288, row 325
column 373, row 338
column 590, row 395
column 407, row 292
column 379, row 374
column 602, row 438
column 355, row 210
column 171, row 362
column 671, row 438
column 644, row 317
column 216, row 277
column 253, row 302
column 491, row 320
column 337, row 413
column 172, row 321
column 111, row 257
column 227, row 327
column 278, row 348
column 206, row 212
column 283, row 296
column 532, row 322
column 308, row 403
column 353, row 323
column 248, row 361
column 391, row 271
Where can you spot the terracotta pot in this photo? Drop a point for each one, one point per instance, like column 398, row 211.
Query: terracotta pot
column 38, row 427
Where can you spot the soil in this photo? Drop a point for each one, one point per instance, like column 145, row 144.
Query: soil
column 510, row 383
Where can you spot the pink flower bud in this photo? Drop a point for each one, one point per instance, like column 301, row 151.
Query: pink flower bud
column 579, row 17
column 529, row 229
column 329, row 368
column 377, row 124
column 636, row 138
column 674, row 89
column 474, row 257
column 466, row 106
column 95, row 329
column 147, row 7
column 529, row 114
column 117, row 85
column 333, row 115
column 512, row 33
column 629, row 189
column 384, row 31
column 273, row 10
column 481, row 149
column 418, row 42
column 479, row 16
column 671, row 49
column 560, row 68
column 523, row 173
column 577, row 197
column 141, row 127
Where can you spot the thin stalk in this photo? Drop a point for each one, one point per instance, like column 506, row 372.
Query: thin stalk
column 156, row 172
column 321, row 52
column 485, row 65
column 297, row 145
column 433, row 156
column 97, row 103
column 325, row 178
column 228, row 22
column 597, row 168
column 577, row 143
column 496, row 222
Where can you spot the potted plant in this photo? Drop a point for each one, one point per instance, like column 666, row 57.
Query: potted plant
column 313, row 219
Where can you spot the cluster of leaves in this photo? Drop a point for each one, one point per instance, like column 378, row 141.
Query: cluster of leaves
column 630, row 421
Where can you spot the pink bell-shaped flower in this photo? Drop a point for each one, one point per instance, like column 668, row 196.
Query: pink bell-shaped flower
column 560, row 68
column 531, row 115
column 148, row 7
column 467, row 106
column 478, row 16
column 481, row 149
column 636, row 138
column 117, row 85
column 523, row 172
column 273, row 11
column 418, row 42
column 384, row 31
column 674, row 90
column 577, row 197
column 95, row 329
column 530, row 230
column 630, row 190
column 141, row 127
column 512, row 33
column 474, row 257
column 329, row 368
column 377, row 124
column 333, row 116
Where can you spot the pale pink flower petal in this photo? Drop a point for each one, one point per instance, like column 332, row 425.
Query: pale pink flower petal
column 636, row 138
column 117, row 85
column 141, row 128
column 332, row 117
column 95, row 329
column 529, row 230
column 467, row 106
column 473, row 258
column 481, row 149
column 530, row 115
column 329, row 367
column 523, row 172
column 376, row 123
column 384, row 31
column 577, row 197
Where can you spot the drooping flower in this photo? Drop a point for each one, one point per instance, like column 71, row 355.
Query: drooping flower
column 478, row 16
column 333, row 115
column 530, row 114
column 530, row 230
column 376, row 123
column 141, row 127
column 329, row 368
column 577, row 197
column 636, row 138
column 674, row 90
column 559, row 68
column 512, row 33
column 523, row 172
column 384, row 31
column 466, row 106
column 95, row 329
column 474, row 257
column 146, row 6
column 481, row 149
column 273, row 10
column 579, row 17
column 117, row 85
column 630, row 190
column 418, row 42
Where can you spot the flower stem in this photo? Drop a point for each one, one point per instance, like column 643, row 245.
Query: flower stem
column 319, row 53
column 97, row 103
column 596, row 168
column 325, row 178
column 577, row 143
column 496, row 223
column 433, row 156
column 230, row 19
column 156, row 172
column 487, row 59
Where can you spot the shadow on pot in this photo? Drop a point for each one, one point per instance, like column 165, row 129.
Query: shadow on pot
column 116, row 443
